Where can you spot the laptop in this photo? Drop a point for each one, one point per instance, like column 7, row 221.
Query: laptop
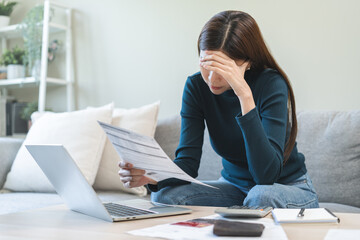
column 79, row 196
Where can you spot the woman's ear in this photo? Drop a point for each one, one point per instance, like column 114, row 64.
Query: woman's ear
column 248, row 64
column 249, row 67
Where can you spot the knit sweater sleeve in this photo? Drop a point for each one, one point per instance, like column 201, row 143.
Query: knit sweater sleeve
column 264, row 131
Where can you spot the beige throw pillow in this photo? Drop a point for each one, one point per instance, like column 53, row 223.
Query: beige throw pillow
column 142, row 120
column 78, row 131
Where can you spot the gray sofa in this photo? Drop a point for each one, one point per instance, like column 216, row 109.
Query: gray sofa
column 330, row 141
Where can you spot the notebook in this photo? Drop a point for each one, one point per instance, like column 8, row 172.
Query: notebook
column 79, row 196
column 310, row 215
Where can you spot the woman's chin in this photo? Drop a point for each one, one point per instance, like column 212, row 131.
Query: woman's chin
column 218, row 92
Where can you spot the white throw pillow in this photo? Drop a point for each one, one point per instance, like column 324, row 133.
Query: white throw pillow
column 36, row 115
column 78, row 131
column 142, row 120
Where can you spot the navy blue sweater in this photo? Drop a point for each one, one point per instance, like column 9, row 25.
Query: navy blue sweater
column 251, row 145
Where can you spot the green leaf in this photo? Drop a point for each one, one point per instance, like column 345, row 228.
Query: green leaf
column 14, row 56
column 6, row 8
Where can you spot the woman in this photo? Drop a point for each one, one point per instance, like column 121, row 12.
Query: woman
column 248, row 105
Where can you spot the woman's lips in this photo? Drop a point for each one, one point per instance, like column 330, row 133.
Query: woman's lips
column 215, row 88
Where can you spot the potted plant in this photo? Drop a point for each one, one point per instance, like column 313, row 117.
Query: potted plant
column 27, row 111
column 6, row 9
column 14, row 60
column 31, row 28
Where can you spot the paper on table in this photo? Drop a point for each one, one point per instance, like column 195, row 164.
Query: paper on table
column 343, row 234
column 176, row 232
column 311, row 215
column 145, row 153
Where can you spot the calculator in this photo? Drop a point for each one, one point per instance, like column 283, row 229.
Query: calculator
column 243, row 211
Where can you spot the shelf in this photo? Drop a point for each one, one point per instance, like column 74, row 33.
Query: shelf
column 47, row 27
column 12, row 31
column 11, row 83
column 16, row 136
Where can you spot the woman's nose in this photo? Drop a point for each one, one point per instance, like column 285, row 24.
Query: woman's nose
column 213, row 77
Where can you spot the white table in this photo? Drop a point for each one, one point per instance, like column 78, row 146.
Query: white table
column 58, row 222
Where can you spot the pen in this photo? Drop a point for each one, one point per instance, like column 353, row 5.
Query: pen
column 301, row 213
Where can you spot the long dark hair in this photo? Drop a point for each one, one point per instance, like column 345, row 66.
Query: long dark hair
column 237, row 34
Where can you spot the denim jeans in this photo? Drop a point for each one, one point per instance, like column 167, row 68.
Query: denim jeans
column 298, row 194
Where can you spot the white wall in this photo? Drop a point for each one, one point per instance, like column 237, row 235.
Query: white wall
column 134, row 52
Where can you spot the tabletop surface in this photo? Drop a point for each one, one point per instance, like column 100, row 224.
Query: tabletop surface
column 58, row 222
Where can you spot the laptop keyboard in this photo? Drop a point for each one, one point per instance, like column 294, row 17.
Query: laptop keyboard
column 118, row 210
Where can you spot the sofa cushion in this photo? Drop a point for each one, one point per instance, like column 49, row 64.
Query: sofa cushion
column 210, row 164
column 330, row 141
column 336, row 207
column 78, row 131
column 167, row 135
column 8, row 150
column 141, row 120
column 21, row 201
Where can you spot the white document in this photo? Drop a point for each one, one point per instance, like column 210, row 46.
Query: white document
column 311, row 215
column 145, row 153
column 343, row 234
column 176, row 232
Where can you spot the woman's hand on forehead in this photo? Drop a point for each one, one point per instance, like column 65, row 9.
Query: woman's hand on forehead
column 217, row 56
column 208, row 54
column 230, row 70
column 221, row 57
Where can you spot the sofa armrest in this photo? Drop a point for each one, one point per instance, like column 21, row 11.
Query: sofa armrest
column 8, row 150
column 330, row 141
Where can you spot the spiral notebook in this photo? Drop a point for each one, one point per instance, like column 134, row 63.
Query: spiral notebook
column 310, row 215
